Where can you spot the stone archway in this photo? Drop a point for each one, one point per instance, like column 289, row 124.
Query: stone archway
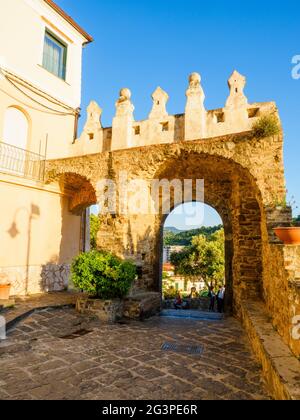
column 244, row 181
column 197, row 223
column 82, row 195
column 81, row 191
column 229, row 188
column 192, row 215
column 234, row 186
column 232, row 192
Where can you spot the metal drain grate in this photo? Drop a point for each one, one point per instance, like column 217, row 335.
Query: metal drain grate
column 181, row 348
column 77, row 334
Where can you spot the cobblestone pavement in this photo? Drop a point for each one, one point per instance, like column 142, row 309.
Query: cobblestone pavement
column 24, row 305
column 126, row 361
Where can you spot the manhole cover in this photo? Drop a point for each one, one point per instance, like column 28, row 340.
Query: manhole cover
column 77, row 334
column 181, row 348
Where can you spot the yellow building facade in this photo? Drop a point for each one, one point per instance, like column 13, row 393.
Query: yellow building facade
column 40, row 96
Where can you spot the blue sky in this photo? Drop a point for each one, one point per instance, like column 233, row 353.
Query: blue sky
column 141, row 44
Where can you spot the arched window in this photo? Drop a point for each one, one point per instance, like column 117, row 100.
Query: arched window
column 15, row 128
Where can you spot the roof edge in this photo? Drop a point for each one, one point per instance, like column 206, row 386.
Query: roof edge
column 70, row 20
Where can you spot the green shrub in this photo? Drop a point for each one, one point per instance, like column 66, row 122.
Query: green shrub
column 102, row 274
column 266, row 126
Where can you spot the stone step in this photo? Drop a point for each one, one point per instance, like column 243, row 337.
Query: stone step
column 4, row 304
column 192, row 314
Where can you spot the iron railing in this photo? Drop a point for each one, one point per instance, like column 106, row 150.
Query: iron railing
column 20, row 162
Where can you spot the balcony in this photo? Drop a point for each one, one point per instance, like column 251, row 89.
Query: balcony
column 21, row 163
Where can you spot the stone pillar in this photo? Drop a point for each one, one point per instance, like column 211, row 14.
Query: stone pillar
column 122, row 128
column 236, row 109
column 91, row 139
column 195, row 113
column 93, row 122
column 159, row 110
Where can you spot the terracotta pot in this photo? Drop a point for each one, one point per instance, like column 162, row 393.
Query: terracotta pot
column 288, row 235
column 4, row 291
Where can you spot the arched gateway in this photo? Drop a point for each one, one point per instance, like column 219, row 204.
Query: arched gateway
column 243, row 177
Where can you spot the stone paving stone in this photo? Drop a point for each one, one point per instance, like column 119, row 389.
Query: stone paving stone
column 126, row 361
column 23, row 305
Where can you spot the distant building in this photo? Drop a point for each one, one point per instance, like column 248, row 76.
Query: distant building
column 169, row 269
column 179, row 283
column 169, row 250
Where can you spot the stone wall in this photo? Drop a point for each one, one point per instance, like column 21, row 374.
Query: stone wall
column 261, row 158
column 160, row 128
column 55, row 277
column 281, row 282
column 280, row 367
column 37, row 279
column 236, row 170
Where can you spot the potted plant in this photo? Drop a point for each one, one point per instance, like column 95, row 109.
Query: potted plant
column 5, row 287
column 290, row 235
column 106, row 279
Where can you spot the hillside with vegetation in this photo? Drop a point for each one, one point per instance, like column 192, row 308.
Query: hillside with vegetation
column 175, row 237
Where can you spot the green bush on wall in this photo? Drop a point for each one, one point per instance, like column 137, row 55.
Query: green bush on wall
column 103, row 275
column 266, row 126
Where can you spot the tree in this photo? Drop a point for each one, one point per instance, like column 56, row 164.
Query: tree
column 94, row 228
column 204, row 259
column 169, row 238
column 296, row 220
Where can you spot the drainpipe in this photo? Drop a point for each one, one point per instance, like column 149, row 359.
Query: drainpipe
column 76, row 121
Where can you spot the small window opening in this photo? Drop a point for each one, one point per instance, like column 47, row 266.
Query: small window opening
column 220, row 117
column 253, row 112
column 165, row 126
column 137, row 130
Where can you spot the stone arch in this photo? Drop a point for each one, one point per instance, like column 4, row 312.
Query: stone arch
column 80, row 190
column 242, row 183
column 81, row 196
column 227, row 246
column 233, row 193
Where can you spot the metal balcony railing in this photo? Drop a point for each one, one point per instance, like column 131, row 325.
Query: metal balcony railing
column 22, row 163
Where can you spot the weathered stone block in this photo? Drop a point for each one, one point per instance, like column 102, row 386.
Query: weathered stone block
column 107, row 311
column 142, row 305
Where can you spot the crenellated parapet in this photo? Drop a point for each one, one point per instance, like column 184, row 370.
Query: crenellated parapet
column 196, row 123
